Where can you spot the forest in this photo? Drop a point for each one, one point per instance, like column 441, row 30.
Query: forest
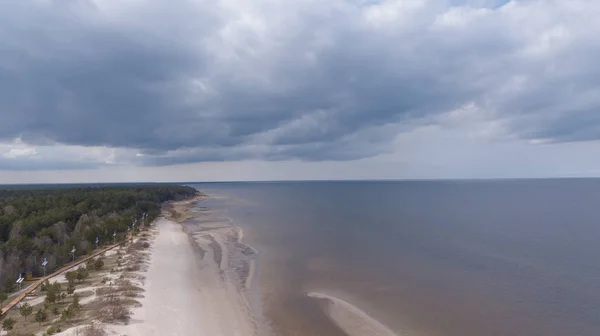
column 48, row 222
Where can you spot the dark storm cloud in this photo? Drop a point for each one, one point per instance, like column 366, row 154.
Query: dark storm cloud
column 189, row 81
column 49, row 164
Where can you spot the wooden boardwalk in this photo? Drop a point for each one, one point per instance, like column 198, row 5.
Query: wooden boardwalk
column 38, row 282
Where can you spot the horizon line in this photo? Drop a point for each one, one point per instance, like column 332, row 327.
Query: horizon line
column 305, row 180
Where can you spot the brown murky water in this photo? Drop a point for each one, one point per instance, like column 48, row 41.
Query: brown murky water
column 425, row 258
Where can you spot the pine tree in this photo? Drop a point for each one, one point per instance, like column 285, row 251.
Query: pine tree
column 75, row 304
column 51, row 294
column 3, row 297
column 8, row 324
column 26, row 310
column 41, row 316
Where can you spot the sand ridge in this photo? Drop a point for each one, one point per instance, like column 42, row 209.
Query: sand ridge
column 352, row 320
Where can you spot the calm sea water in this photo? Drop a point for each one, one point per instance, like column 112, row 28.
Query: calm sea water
column 455, row 258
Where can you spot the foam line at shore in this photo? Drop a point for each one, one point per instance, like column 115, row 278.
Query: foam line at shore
column 240, row 237
column 251, row 262
column 232, row 260
column 351, row 319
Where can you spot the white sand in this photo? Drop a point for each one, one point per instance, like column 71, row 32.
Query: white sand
column 34, row 301
column 70, row 332
column 185, row 295
column 62, row 277
column 352, row 320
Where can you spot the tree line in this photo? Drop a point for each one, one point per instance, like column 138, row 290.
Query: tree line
column 47, row 223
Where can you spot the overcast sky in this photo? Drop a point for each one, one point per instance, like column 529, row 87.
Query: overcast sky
column 193, row 90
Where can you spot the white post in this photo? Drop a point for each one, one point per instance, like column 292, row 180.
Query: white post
column 20, row 280
column 44, row 265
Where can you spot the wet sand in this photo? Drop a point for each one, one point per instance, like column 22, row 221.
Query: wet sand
column 222, row 253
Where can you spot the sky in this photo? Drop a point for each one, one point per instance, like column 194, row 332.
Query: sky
column 217, row 90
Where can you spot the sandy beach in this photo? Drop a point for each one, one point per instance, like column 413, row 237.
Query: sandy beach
column 184, row 294
column 198, row 278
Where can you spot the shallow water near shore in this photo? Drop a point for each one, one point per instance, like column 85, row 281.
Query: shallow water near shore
column 421, row 258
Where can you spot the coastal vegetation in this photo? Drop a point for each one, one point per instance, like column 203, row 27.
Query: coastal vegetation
column 47, row 223
column 89, row 299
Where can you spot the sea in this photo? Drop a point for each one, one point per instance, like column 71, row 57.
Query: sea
column 435, row 258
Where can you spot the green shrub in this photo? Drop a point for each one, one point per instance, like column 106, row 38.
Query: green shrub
column 98, row 264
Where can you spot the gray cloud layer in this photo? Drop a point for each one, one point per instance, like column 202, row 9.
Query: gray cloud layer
column 189, row 81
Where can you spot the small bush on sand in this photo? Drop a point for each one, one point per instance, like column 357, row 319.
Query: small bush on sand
column 105, row 291
column 113, row 310
column 8, row 324
column 44, row 286
column 67, row 314
column 41, row 316
column 91, row 330
column 124, row 286
column 51, row 295
column 133, row 268
column 82, row 274
column 75, row 305
column 53, row 330
column 131, row 294
column 98, row 264
column 71, row 276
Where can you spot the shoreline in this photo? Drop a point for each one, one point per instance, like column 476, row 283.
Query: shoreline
column 174, row 289
column 221, row 243
column 351, row 319
column 179, row 294
column 226, row 258
column 345, row 317
column 200, row 278
column 194, row 282
column 178, row 211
